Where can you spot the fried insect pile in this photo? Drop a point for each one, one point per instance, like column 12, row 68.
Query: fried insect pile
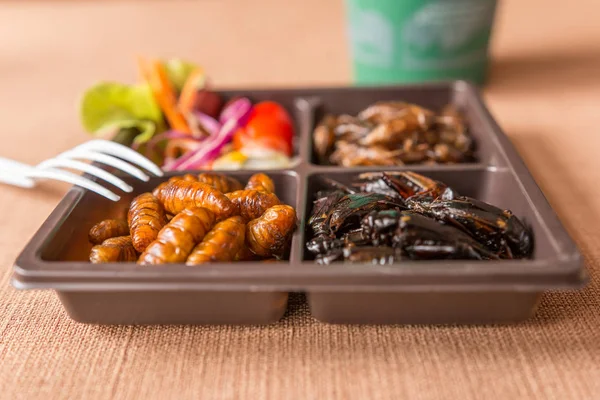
column 385, row 217
column 197, row 219
column 393, row 133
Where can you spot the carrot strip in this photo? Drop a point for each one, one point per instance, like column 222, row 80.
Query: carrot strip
column 189, row 92
column 162, row 90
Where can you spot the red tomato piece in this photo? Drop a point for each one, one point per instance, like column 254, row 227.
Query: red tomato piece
column 241, row 139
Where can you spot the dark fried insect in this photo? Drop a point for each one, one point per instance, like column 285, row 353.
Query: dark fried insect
column 423, row 238
column 412, row 186
column 270, row 235
column 181, row 194
column 252, row 203
column 380, row 226
column 146, row 217
column 177, row 239
column 109, row 228
column 324, row 240
column 321, row 209
column 496, row 228
column 374, row 183
column 348, row 211
column 113, row 250
column 223, row 243
column 260, row 182
column 222, row 183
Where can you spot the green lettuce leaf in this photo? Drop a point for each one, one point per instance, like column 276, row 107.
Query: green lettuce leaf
column 178, row 70
column 108, row 104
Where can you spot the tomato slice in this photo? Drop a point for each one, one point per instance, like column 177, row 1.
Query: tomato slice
column 273, row 109
column 264, row 125
column 242, row 139
column 269, row 118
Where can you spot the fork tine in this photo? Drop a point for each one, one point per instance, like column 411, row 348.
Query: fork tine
column 121, row 151
column 105, row 159
column 69, row 177
column 87, row 168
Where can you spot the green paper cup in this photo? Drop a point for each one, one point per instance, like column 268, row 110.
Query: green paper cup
column 420, row 40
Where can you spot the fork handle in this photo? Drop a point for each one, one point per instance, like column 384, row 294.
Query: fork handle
column 15, row 173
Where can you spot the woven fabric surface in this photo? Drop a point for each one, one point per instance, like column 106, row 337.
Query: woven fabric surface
column 544, row 91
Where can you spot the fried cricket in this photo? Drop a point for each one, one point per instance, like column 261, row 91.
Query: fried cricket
column 181, row 194
column 222, row 183
column 113, row 250
column 270, row 235
column 223, row 243
column 109, row 228
column 145, row 218
column 261, row 182
column 252, row 203
column 177, row 239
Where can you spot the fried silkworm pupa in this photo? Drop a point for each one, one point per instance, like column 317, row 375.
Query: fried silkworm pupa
column 180, row 194
column 223, row 243
column 253, row 203
column 270, row 235
column 146, row 217
column 177, row 239
column 222, row 183
column 109, row 228
column 113, row 250
column 261, row 182
column 186, row 177
column 157, row 190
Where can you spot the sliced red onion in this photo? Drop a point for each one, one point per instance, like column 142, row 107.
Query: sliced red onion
column 238, row 110
column 208, row 150
column 210, row 124
column 172, row 164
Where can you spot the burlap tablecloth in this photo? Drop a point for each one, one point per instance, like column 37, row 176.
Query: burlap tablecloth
column 545, row 91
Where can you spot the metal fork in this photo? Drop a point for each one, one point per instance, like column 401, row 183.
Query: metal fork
column 102, row 151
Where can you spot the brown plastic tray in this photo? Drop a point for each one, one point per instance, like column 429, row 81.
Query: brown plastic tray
column 256, row 293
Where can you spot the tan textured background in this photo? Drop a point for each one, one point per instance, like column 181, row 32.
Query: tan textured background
column 545, row 92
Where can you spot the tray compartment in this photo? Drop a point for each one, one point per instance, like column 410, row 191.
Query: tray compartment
column 352, row 101
column 66, row 248
column 409, row 304
column 495, row 186
column 69, row 240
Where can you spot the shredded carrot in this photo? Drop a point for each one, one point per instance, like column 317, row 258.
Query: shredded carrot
column 189, row 92
column 162, row 90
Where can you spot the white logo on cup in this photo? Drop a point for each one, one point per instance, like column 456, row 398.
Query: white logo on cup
column 373, row 39
column 446, row 27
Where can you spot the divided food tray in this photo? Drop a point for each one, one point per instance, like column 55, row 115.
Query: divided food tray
column 429, row 292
